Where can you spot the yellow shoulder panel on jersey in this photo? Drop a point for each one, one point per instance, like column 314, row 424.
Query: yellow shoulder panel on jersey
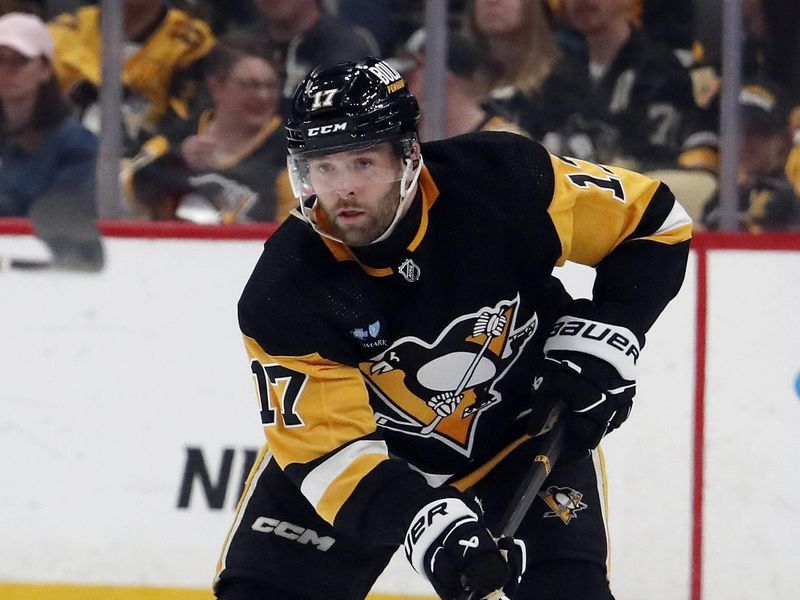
column 596, row 207
column 314, row 409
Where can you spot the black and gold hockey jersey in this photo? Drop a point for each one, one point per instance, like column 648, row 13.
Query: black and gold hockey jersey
column 253, row 186
column 352, row 349
column 153, row 72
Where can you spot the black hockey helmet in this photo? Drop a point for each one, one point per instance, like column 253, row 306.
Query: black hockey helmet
column 349, row 105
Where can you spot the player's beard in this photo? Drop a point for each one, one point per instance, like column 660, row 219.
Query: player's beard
column 374, row 221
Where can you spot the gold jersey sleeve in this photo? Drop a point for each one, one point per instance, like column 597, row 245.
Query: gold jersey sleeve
column 596, row 207
column 318, row 423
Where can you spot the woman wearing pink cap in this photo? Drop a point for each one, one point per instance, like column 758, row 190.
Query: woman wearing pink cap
column 46, row 157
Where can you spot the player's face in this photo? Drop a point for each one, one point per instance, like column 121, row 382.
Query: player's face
column 358, row 190
column 498, row 16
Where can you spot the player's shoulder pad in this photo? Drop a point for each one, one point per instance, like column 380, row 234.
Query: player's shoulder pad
column 511, row 165
column 285, row 282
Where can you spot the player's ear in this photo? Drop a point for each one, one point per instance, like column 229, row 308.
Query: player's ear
column 415, row 151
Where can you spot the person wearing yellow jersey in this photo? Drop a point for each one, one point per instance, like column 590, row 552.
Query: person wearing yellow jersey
column 161, row 64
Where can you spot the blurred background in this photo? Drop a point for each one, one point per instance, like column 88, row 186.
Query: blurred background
column 142, row 164
column 196, row 91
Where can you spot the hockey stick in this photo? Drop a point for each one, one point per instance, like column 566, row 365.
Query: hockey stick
column 548, row 443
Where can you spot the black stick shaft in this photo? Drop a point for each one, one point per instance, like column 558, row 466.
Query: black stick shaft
column 548, row 449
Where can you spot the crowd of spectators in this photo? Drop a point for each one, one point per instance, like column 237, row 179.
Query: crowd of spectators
column 206, row 84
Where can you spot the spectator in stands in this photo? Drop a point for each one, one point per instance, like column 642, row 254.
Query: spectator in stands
column 772, row 43
column 767, row 200
column 161, row 71
column 464, row 112
column 640, row 92
column 45, row 156
column 771, row 51
column 670, row 22
column 535, row 83
column 305, row 35
column 229, row 163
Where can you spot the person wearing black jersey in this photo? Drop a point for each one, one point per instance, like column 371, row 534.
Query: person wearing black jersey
column 406, row 335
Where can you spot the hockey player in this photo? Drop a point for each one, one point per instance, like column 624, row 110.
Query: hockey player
column 405, row 334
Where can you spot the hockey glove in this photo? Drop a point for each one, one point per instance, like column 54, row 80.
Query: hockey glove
column 449, row 545
column 590, row 366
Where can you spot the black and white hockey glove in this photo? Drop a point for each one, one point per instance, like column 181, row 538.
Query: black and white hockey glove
column 590, row 366
column 448, row 544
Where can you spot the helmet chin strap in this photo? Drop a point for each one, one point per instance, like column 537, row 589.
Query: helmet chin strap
column 408, row 188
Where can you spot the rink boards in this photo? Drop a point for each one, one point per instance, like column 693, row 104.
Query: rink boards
column 129, row 419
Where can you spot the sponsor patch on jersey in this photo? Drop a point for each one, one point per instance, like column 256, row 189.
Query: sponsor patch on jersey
column 439, row 389
column 369, row 336
column 564, row 503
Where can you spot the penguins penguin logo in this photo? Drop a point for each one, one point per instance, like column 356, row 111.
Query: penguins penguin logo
column 439, row 389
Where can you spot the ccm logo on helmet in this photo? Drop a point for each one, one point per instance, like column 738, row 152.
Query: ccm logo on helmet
column 293, row 532
column 325, row 129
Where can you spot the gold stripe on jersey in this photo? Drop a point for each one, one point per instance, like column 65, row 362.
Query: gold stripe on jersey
column 318, row 480
column 592, row 217
column 334, row 410
column 599, row 461
column 430, row 193
column 342, row 487
column 482, row 471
